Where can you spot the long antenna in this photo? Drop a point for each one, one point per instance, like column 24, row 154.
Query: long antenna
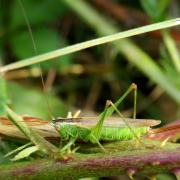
column 36, row 53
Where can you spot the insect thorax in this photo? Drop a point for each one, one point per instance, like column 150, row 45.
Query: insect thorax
column 67, row 131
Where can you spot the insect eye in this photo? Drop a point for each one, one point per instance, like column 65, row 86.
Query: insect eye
column 53, row 122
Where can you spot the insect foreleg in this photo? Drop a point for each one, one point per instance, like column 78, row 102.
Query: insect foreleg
column 95, row 133
column 67, row 147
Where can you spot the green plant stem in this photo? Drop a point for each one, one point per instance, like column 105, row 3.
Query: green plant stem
column 171, row 47
column 145, row 162
column 126, row 47
column 42, row 144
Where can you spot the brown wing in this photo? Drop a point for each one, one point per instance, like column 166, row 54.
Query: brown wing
column 116, row 122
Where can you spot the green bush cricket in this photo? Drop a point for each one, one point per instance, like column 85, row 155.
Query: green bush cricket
column 103, row 127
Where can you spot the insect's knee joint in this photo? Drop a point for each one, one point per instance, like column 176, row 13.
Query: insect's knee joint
column 134, row 86
column 108, row 103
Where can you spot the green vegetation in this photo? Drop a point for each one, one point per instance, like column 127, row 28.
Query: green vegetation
column 47, row 70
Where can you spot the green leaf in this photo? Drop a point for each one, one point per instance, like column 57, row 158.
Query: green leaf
column 157, row 10
column 31, row 101
column 18, row 149
column 38, row 12
column 25, row 153
column 45, row 40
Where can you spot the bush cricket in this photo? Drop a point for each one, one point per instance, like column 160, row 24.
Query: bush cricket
column 103, row 127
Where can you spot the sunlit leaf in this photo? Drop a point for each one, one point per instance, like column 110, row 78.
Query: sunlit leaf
column 25, row 153
column 18, row 149
column 37, row 12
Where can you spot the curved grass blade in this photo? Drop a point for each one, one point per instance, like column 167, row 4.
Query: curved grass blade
column 42, row 144
column 25, row 153
column 91, row 43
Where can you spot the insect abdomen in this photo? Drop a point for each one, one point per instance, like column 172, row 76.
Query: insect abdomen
column 114, row 134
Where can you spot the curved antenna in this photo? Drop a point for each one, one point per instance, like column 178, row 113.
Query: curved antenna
column 36, row 53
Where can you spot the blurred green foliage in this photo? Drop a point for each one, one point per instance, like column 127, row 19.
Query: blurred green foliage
column 157, row 10
column 53, row 25
column 39, row 13
column 16, row 43
column 136, row 55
